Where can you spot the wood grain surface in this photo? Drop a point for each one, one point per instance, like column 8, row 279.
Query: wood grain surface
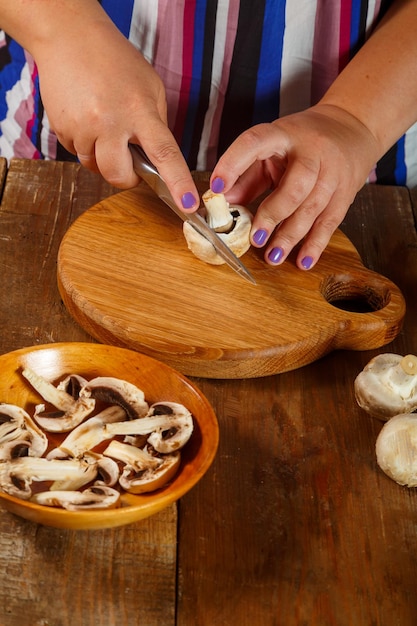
column 293, row 525
column 126, row 275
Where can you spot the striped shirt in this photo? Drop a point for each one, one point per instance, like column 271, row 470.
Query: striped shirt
column 226, row 65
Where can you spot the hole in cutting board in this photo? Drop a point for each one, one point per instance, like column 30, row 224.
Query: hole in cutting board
column 347, row 294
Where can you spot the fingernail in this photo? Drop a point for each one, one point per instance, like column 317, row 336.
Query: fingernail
column 307, row 262
column 188, row 200
column 260, row 237
column 276, row 255
column 217, row 185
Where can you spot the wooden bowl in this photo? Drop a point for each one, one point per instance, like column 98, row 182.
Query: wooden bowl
column 159, row 383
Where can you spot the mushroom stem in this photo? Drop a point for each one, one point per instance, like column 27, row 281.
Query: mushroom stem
column 88, row 434
column 409, row 364
column 219, row 217
column 136, row 458
column 58, row 397
column 399, row 379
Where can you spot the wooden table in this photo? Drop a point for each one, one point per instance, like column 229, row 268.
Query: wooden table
column 293, row 525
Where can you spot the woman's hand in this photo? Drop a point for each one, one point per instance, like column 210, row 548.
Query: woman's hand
column 315, row 162
column 100, row 94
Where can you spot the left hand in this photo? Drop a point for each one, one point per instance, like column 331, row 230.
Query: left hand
column 315, row 162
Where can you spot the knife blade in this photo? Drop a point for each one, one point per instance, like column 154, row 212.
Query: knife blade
column 148, row 172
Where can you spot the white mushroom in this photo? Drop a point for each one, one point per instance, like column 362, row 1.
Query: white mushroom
column 387, row 386
column 396, row 449
column 143, row 472
column 14, row 449
column 232, row 223
column 117, row 391
column 17, row 475
column 71, row 411
column 168, row 424
column 12, row 422
column 107, row 469
column 96, row 497
column 178, row 428
column 16, row 423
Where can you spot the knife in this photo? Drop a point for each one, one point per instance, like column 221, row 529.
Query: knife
column 146, row 170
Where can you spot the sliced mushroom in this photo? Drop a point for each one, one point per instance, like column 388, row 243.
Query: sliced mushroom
column 88, row 435
column 387, row 386
column 117, row 391
column 396, row 449
column 17, row 475
column 72, row 384
column 178, row 428
column 11, row 422
column 71, row 411
column 168, row 424
column 96, row 497
column 107, row 469
column 14, row 449
column 72, row 483
column 232, row 223
column 143, row 471
column 16, row 423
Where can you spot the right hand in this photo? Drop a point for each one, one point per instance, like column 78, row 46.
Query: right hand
column 100, row 94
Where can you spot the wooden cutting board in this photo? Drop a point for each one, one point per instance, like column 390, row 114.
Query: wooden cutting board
column 126, row 276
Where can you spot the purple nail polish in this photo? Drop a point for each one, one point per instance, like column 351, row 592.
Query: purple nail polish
column 217, row 185
column 188, row 200
column 307, row 262
column 260, row 237
column 276, row 255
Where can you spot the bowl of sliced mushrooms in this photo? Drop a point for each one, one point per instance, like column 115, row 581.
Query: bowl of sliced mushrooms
column 96, row 436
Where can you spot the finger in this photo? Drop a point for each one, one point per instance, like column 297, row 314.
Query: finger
column 315, row 233
column 249, row 186
column 295, row 193
column 88, row 161
column 170, row 163
column 321, row 232
column 255, row 144
column 114, row 162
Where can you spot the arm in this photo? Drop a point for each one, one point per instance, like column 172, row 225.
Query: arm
column 98, row 91
column 317, row 160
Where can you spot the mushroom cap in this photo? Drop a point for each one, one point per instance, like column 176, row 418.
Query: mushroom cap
column 396, row 449
column 144, row 470
column 117, row 391
column 150, row 479
column 177, row 431
column 384, row 389
column 237, row 239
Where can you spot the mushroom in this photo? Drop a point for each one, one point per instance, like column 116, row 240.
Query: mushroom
column 117, row 391
column 72, row 411
column 387, row 386
column 107, row 469
column 14, row 449
column 17, row 475
column 396, row 449
column 143, row 471
column 16, row 423
column 168, row 424
column 232, row 223
column 177, row 430
column 87, row 435
column 96, row 497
